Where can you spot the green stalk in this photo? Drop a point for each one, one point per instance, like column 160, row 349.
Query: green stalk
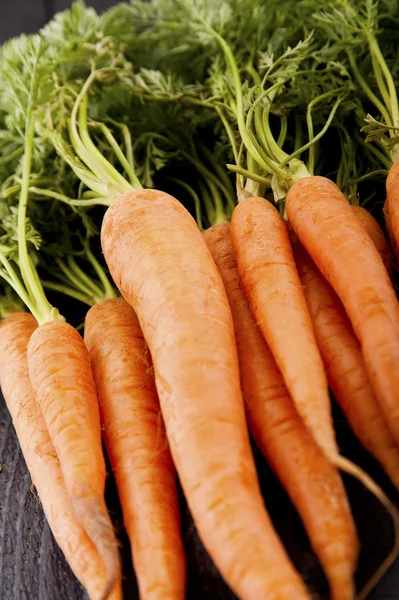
column 77, row 283
column 101, row 166
column 250, row 175
column 252, row 147
column 85, row 279
column 66, row 290
column 196, row 200
column 121, row 157
column 283, row 131
column 367, row 90
column 12, row 279
column 207, row 201
column 230, row 134
column 381, row 84
column 390, row 83
column 109, row 291
column 275, row 148
column 382, row 172
column 62, row 198
column 317, row 137
column 43, row 309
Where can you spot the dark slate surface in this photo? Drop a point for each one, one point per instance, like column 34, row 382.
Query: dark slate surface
column 31, row 565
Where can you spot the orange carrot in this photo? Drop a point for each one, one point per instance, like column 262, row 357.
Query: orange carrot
column 161, row 264
column 41, row 458
column 62, row 380
column 137, row 447
column 346, row 371
column 326, row 226
column 376, row 234
column 313, row 484
column 391, row 208
column 268, row 272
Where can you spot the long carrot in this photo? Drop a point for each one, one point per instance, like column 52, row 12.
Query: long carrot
column 161, row 264
column 330, row 232
column 375, row 232
column 268, row 273
column 271, row 281
column 62, row 380
column 313, row 484
column 137, row 447
column 346, row 371
column 41, row 458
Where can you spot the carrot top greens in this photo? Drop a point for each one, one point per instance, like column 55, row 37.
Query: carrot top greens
column 183, row 95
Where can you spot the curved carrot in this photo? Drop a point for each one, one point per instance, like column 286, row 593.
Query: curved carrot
column 391, row 207
column 161, row 264
column 271, row 281
column 313, row 484
column 346, row 371
column 137, row 447
column 61, row 377
column 41, row 458
column 376, row 234
column 326, row 226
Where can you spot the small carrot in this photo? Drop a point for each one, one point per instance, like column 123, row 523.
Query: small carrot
column 375, row 232
column 326, row 226
column 271, row 281
column 346, row 371
column 41, row 458
column 62, row 380
column 136, row 445
column 162, row 266
column 313, row 484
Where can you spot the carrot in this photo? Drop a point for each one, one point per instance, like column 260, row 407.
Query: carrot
column 313, row 484
column 267, row 270
column 41, row 458
column 326, row 226
column 61, row 377
column 375, row 232
column 346, row 371
column 162, row 266
column 137, row 447
column 391, row 208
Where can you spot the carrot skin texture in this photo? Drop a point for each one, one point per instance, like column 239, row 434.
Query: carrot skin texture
column 391, row 207
column 314, row 485
column 346, row 370
column 268, row 272
column 62, row 380
column 162, row 266
column 41, row 457
column 324, row 223
column 137, row 447
column 376, row 234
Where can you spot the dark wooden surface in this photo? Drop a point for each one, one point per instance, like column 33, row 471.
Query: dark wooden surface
column 31, row 565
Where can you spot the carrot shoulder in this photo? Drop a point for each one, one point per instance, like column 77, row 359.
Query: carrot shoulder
column 41, row 458
column 135, row 440
column 268, row 272
column 313, row 484
column 346, row 371
column 62, row 380
column 326, row 226
column 161, row 264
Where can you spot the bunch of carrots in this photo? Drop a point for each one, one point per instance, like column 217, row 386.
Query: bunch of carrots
column 229, row 315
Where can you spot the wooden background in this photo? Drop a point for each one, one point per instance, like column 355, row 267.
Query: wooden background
column 31, row 565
